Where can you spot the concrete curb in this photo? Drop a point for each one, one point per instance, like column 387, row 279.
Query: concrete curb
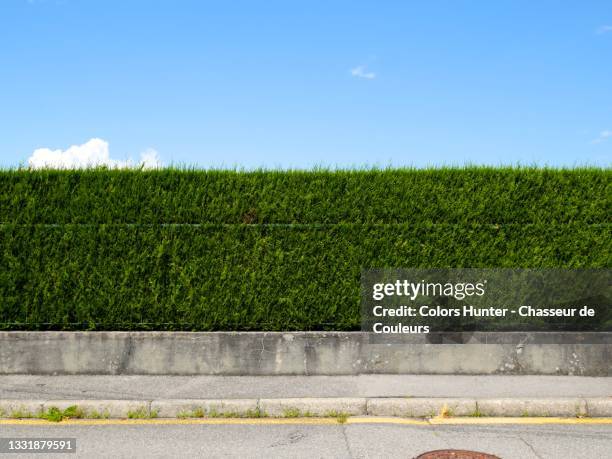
column 295, row 407
column 305, row 407
column 421, row 407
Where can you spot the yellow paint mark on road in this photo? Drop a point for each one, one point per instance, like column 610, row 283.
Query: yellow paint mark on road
column 171, row 421
column 312, row 421
column 521, row 421
column 387, row 420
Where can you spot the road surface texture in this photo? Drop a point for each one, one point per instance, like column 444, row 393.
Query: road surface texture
column 324, row 441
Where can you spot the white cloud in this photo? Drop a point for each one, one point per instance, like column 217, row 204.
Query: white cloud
column 361, row 72
column 149, row 159
column 92, row 153
column 603, row 136
column 604, row 29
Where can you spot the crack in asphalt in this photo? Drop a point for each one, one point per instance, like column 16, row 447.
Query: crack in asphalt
column 535, row 453
column 292, row 438
column 346, row 442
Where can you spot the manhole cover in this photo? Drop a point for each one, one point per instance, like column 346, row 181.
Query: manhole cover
column 455, row 454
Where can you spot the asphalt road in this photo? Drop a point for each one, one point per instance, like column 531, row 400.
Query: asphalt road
column 325, row 441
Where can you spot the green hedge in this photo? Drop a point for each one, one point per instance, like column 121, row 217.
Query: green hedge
column 472, row 195
column 248, row 277
column 86, row 250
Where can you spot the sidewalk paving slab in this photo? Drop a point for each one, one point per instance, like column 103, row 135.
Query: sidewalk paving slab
column 248, row 387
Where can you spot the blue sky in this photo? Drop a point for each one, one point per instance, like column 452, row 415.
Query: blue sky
column 306, row 83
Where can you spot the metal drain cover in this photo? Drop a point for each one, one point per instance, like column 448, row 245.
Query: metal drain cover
column 455, row 454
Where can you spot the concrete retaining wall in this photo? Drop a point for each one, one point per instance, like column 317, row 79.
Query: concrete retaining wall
column 301, row 353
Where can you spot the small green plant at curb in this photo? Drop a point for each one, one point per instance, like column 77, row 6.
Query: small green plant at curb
column 95, row 414
column 141, row 413
column 213, row 413
column 195, row 413
column 291, row 413
column 476, row 413
column 74, row 412
column 340, row 416
column 525, row 414
column 54, row 414
column 21, row 414
column 256, row 413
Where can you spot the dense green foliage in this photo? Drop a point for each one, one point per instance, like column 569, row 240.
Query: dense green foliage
column 215, row 250
column 475, row 195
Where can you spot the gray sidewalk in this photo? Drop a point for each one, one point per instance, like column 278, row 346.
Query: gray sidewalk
column 228, row 387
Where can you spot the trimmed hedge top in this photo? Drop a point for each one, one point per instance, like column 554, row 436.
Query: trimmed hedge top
column 170, row 196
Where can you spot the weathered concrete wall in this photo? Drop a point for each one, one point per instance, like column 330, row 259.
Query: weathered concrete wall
column 302, row 353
